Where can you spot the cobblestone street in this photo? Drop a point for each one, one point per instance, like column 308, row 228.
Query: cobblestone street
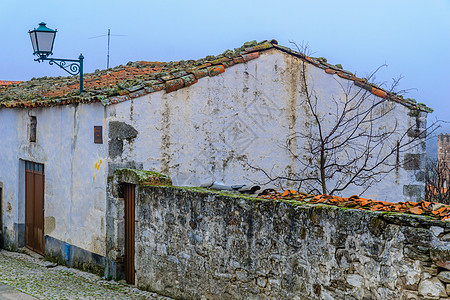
column 34, row 277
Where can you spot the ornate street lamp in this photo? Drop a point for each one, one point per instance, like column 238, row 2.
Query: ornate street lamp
column 42, row 39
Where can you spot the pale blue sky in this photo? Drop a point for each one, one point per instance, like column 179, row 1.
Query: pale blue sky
column 412, row 37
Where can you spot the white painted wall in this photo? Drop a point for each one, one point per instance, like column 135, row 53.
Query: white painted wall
column 208, row 131
column 74, row 202
column 9, row 169
column 202, row 133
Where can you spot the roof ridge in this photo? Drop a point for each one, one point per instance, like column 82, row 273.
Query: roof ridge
column 135, row 79
column 360, row 82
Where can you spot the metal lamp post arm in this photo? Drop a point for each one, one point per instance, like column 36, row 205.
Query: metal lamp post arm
column 74, row 68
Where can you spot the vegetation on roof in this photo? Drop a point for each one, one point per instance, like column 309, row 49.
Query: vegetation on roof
column 136, row 79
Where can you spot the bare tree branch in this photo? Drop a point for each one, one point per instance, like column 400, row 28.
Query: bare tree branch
column 437, row 181
column 355, row 143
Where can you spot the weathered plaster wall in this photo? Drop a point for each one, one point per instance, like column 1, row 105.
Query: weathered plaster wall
column 8, row 176
column 210, row 131
column 406, row 181
column 75, row 173
column 202, row 245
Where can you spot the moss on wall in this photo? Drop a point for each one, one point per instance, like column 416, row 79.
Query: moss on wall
column 142, row 177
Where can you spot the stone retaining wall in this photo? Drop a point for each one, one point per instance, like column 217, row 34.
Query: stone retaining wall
column 192, row 244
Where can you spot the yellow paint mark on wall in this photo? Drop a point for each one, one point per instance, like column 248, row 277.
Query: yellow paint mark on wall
column 97, row 168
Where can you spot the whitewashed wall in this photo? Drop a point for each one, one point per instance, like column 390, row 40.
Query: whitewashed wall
column 74, row 201
column 210, row 130
column 203, row 133
column 9, row 171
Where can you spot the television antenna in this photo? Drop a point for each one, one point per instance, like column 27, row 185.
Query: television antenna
column 109, row 39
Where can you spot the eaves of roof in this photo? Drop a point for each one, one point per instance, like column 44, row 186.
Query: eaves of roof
column 136, row 79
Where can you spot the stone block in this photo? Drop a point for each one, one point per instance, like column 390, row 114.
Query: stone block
column 420, row 176
column 261, row 282
column 416, row 237
column 445, row 237
column 377, row 226
column 410, row 295
column 444, row 276
column 410, row 281
column 432, row 287
column 121, row 130
column 355, row 280
column 441, row 257
column 413, row 191
column 242, row 275
column 432, row 270
column 414, row 132
column 436, row 230
column 417, row 252
column 412, row 161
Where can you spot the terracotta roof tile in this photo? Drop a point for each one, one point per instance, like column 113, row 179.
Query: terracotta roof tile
column 8, row 82
column 135, row 79
column 432, row 210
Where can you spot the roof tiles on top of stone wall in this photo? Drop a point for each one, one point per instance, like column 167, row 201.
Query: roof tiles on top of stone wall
column 8, row 82
column 432, row 210
column 136, row 79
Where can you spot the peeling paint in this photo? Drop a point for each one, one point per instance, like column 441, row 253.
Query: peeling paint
column 293, row 82
column 211, row 130
column 65, row 147
column 49, row 224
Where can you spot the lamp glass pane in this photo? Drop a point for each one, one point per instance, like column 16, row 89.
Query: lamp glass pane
column 33, row 41
column 45, row 41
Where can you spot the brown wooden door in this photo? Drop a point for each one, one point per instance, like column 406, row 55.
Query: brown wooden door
column 34, row 207
column 129, row 232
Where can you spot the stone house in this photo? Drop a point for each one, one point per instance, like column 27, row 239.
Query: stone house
column 197, row 121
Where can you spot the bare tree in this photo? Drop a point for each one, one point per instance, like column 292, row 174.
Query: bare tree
column 437, row 181
column 355, row 141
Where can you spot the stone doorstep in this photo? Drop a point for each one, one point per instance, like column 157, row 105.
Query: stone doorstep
column 30, row 253
column 9, row 293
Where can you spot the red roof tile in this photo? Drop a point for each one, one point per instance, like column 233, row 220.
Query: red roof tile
column 139, row 78
column 8, row 82
column 431, row 209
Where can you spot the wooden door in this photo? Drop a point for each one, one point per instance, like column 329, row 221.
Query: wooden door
column 34, row 207
column 129, row 232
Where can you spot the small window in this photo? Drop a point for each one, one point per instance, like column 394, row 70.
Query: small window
column 33, row 129
column 38, row 167
column 34, row 167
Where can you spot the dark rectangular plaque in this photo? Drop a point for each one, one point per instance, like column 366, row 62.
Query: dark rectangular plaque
column 98, row 135
column 33, row 129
